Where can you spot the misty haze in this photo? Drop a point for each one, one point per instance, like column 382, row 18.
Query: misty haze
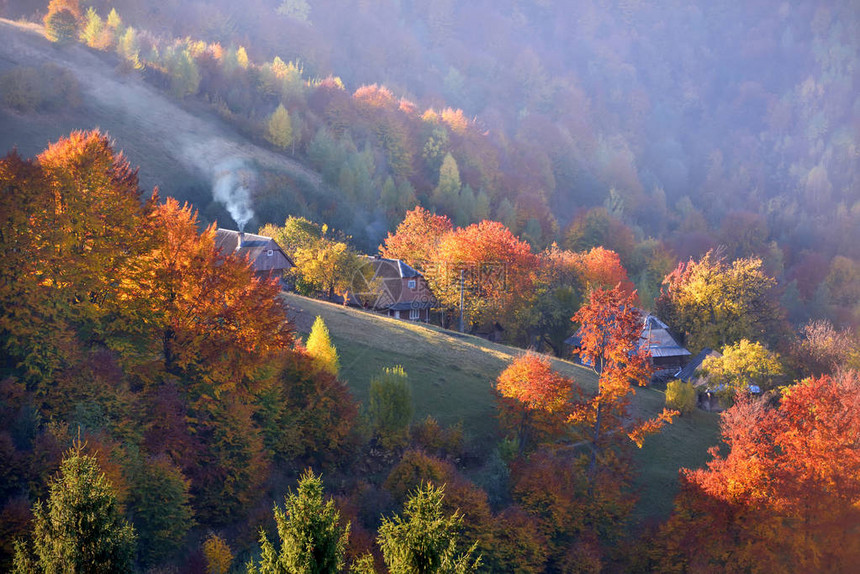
column 518, row 263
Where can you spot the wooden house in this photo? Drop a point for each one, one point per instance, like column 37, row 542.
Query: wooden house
column 666, row 356
column 394, row 288
column 265, row 255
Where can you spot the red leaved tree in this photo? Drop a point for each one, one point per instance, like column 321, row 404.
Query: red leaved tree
column 498, row 272
column 416, row 238
column 786, row 496
column 601, row 268
column 534, row 400
column 610, row 329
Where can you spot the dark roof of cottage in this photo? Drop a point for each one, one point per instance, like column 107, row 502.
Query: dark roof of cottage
column 689, row 371
column 227, row 240
column 392, row 267
column 660, row 342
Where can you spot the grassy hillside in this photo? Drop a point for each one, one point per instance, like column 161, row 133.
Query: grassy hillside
column 452, row 377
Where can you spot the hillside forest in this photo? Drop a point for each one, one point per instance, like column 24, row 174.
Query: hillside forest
column 548, row 171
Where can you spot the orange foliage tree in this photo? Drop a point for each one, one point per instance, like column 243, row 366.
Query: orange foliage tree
column 786, row 496
column 610, row 329
column 215, row 319
column 72, row 225
column 417, row 237
column 534, row 400
column 497, row 267
column 601, row 268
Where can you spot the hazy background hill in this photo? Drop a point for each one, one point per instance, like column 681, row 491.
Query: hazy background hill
column 694, row 123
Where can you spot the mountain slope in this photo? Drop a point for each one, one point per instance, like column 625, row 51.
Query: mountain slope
column 185, row 150
column 452, row 376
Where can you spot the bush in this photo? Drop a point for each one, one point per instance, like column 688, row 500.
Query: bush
column 390, row 407
column 438, row 440
column 681, row 396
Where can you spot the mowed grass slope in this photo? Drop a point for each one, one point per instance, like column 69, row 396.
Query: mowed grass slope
column 452, row 379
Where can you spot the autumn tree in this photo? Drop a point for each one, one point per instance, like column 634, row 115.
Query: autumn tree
column 609, row 341
column 312, row 535
column 417, row 237
column 681, row 397
column 742, row 367
column 784, row 496
column 823, row 349
column 601, row 268
column 81, row 529
column 218, row 555
column 580, row 515
column 534, row 400
column 497, row 268
column 213, row 313
column 294, row 234
column 62, row 20
column 77, row 211
column 425, row 540
column 321, row 348
column 324, row 259
column 279, row 128
column 714, row 303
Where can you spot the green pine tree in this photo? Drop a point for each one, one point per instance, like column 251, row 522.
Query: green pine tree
column 425, row 541
column 321, row 349
column 81, row 529
column 313, row 539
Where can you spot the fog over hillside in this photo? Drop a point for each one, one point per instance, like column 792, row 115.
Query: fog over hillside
column 696, row 123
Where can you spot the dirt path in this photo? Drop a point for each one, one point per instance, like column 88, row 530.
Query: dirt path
column 201, row 143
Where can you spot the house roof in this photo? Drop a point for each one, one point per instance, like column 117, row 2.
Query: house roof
column 227, row 240
column 660, row 342
column 393, row 268
column 689, row 371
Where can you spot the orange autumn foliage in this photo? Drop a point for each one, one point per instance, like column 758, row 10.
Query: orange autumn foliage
column 601, row 268
column 213, row 315
column 611, row 326
column 498, row 268
column 531, row 381
column 416, row 238
column 786, row 496
column 534, row 400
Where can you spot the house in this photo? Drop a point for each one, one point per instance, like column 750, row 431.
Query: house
column 666, row 356
column 265, row 255
column 691, row 373
column 392, row 287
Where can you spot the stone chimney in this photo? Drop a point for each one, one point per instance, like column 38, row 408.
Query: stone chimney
column 241, row 240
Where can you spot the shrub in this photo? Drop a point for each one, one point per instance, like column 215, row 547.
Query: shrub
column 218, row 555
column 390, row 407
column 681, row 396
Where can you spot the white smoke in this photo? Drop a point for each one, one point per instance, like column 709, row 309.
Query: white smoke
column 232, row 181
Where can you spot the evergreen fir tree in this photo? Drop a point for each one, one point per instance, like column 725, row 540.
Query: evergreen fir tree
column 313, row 539
column 425, row 541
column 81, row 528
